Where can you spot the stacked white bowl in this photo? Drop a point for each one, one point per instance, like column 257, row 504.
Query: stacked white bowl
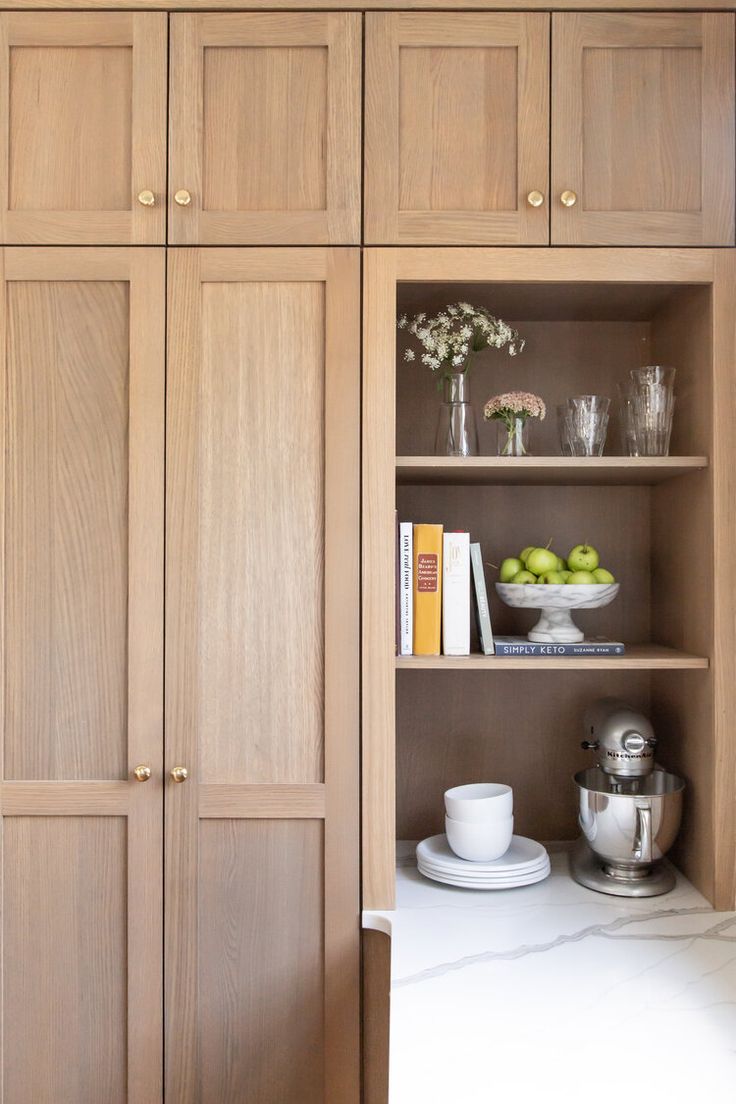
column 479, row 821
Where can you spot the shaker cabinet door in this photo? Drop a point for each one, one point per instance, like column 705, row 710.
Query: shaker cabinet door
column 265, row 128
column 262, row 665
column 457, row 128
column 82, row 674
column 83, row 117
column 643, row 129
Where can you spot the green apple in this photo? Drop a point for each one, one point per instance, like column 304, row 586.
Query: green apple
column 581, row 578
column 583, row 557
column 561, row 564
column 541, row 560
column 601, row 575
column 525, row 552
column 510, row 567
column 524, row 577
column 565, row 575
column 553, row 578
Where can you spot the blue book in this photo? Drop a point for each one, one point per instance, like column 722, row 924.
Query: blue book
column 593, row 646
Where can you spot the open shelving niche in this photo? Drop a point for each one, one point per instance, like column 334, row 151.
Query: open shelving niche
column 659, row 523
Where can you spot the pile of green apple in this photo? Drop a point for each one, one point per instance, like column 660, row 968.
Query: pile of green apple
column 542, row 565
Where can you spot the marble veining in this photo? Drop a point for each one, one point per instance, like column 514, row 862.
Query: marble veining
column 556, row 993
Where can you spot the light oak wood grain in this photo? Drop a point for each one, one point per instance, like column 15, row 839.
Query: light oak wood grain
column 83, row 115
column 263, row 348
column 601, row 470
column 638, row 657
column 457, row 128
column 376, row 1016
column 341, row 5
column 643, row 129
column 265, row 128
column 60, row 311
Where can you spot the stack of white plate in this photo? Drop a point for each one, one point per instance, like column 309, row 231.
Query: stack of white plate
column 525, row 862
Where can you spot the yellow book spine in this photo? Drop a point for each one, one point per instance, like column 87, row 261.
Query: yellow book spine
column 427, row 589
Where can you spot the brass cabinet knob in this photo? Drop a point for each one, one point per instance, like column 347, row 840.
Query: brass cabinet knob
column 182, row 197
column 535, row 199
column 568, row 199
column 179, row 774
column 146, row 198
column 142, row 773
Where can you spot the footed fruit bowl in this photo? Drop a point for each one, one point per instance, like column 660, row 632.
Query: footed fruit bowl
column 556, row 602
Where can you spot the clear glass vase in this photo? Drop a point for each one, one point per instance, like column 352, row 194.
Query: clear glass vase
column 457, row 433
column 512, row 437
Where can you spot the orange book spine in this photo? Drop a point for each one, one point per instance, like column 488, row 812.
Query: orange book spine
column 427, row 589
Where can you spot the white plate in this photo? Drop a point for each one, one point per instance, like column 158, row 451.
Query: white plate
column 427, row 868
column 467, row 870
column 523, row 855
column 512, row 883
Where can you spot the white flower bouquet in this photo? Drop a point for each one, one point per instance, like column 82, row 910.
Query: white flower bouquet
column 450, row 338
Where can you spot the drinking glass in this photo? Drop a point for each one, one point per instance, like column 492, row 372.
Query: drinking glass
column 627, row 413
column 653, row 408
column 660, row 374
column 588, row 416
column 564, row 429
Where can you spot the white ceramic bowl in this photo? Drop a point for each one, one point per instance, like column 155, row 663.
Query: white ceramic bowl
column 556, row 601
column 479, row 801
column 479, row 841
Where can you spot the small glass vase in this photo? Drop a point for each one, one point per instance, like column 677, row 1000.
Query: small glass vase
column 512, row 437
column 457, row 433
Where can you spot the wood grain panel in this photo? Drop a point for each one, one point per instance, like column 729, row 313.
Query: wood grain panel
column 643, row 129
column 457, row 127
column 83, row 119
column 340, row 5
column 261, row 660
column 261, row 962
column 376, row 1015
column 66, row 530
column 64, row 974
column 265, row 128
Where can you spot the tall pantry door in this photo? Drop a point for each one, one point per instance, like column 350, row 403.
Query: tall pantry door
column 262, row 919
column 82, row 674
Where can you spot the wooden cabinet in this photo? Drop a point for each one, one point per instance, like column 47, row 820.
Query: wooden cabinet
column 643, row 128
column 82, row 674
column 262, row 676
column 83, row 118
column 265, row 128
column 457, row 128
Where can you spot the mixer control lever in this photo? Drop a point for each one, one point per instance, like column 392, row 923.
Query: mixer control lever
column 589, row 745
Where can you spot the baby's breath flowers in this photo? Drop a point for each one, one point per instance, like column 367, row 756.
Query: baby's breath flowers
column 513, row 408
column 450, row 338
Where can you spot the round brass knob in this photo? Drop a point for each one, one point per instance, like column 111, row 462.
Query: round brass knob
column 535, row 199
column 182, row 197
column 146, row 198
column 179, row 774
column 568, row 199
column 142, row 773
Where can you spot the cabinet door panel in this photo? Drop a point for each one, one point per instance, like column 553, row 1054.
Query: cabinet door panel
column 83, row 115
column 643, row 129
column 457, row 123
column 265, row 128
column 82, row 671
column 262, row 676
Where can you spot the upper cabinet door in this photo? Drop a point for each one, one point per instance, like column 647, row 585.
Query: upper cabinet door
column 643, row 129
column 457, row 129
column 83, row 115
column 265, row 128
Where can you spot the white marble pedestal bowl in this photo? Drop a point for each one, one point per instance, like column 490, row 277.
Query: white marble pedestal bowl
column 556, row 602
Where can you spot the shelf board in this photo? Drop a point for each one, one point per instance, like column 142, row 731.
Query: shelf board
column 638, row 657
column 615, row 470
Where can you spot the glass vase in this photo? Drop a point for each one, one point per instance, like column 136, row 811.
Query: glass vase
column 512, row 437
column 457, row 433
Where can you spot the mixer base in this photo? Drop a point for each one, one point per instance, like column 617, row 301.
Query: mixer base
column 587, row 869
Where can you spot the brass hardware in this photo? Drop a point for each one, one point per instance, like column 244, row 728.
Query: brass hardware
column 179, row 774
column 182, row 197
column 142, row 773
column 146, row 197
column 535, row 199
column 568, row 199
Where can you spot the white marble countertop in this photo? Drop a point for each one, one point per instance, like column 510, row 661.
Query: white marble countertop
column 556, row 993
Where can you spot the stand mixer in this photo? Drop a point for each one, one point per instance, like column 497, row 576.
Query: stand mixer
column 629, row 808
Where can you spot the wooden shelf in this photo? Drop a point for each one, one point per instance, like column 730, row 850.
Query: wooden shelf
column 615, row 470
column 638, row 657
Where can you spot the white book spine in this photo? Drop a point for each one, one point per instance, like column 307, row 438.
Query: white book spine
column 456, row 594
column 406, row 585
